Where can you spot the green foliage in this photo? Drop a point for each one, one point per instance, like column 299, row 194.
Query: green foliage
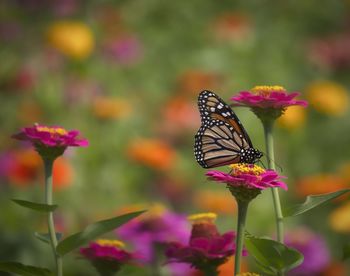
column 45, row 237
column 44, row 208
column 312, row 202
column 273, row 256
column 24, row 270
column 93, row 231
column 346, row 251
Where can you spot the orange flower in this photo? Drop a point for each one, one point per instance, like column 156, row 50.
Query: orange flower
column 216, row 201
column 226, row 269
column 154, row 153
column 320, row 184
column 293, row 118
column 193, row 81
column 339, row 220
column 179, row 114
column 110, row 108
column 233, row 26
column 328, row 97
column 25, row 168
column 335, row 269
column 62, row 173
column 73, row 39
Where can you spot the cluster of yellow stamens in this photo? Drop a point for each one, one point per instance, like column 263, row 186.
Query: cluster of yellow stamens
column 265, row 90
column 243, row 168
column 111, row 243
column 202, row 218
column 52, row 130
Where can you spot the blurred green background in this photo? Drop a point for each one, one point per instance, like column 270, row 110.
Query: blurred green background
column 127, row 75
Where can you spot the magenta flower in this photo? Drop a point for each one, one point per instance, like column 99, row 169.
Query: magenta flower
column 207, row 249
column 50, row 141
column 270, row 101
column 267, row 97
column 313, row 247
column 126, row 50
column 107, row 256
column 151, row 231
column 247, row 180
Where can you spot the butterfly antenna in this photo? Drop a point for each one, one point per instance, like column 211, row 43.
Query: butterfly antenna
column 273, row 161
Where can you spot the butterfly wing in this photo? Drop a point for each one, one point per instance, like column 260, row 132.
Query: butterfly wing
column 212, row 107
column 218, row 143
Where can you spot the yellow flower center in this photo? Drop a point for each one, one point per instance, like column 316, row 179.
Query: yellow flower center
column 202, row 218
column 265, row 90
column 52, row 130
column 111, row 243
column 248, row 274
column 243, row 168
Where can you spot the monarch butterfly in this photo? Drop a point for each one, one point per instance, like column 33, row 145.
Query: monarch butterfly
column 221, row 139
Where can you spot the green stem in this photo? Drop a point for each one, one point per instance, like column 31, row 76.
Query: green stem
column 242, row 214
column 48, row 164
column 268, row 129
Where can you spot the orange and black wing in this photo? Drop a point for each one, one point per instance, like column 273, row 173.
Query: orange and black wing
column 218, row 143
column 212, row 107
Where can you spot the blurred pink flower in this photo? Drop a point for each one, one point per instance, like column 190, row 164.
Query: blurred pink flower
column 207, row 249
column 126, row 49
column 154, row 229
column 332, row 51
column 313, row 247
column 9, row 31
column 107, row 256
column 64, row 7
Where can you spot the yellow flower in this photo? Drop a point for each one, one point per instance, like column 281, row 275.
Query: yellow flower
column 340, row 219
column 110, row 243
column 292, row 118
column 111, row 108
column 202, row 218
column 216, row 201
column 73, row 39
column 242, row 168
column 265, row 90
column 328, row 97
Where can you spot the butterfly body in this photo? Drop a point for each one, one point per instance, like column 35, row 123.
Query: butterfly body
column 221, row 139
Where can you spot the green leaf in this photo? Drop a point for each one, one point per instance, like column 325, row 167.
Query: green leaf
column 92, row 231
column 346, row 251
column 45, row 237
column 35, row 206
column 24, row 270
column 311, row 202
column 272, row 255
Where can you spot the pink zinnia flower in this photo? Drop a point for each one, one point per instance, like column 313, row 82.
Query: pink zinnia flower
column 267, row 100
column 158, row 227
column 107, row 256
column 247, row 180
column 207, row 249
column 50, row 141
column 126, row 50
